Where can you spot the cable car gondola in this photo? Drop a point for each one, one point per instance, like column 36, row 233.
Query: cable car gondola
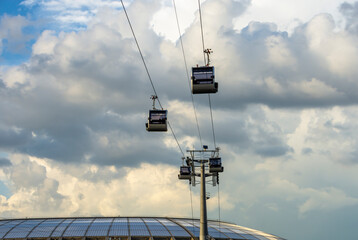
column 215, row 165
column 185, row 173
column 157, row 120
column 203, row 80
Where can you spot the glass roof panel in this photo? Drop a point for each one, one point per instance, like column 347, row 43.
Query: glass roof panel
column 45, row 228
column 156, row 228
column 3, row 222
column 6, row 227
column 78, row 227
column 189, row 226
column 226, row 230
column 137, row 227
column 215, row 233
column 174, row 228
column 99, row 227
column 119, row 227
column 23, row 229
column 61, row 228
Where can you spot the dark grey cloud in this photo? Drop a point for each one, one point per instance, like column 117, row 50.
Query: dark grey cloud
column 87, row 99
column 112, row 104
column 246, row 133
column 10, row 138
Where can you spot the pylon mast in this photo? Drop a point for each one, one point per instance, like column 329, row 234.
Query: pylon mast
column 213, row 163
column 203, row 210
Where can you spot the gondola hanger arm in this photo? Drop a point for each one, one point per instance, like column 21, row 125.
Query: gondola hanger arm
column 208, row 51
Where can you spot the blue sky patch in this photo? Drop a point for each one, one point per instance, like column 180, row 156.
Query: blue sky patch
column 4, row 190
column 12, row 7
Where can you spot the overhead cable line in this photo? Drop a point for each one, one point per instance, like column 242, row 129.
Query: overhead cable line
column 150, row 79
column 202, row 31
column 187, row 73
column 171, row 129
column 212, row 121
column 219, row 208
column 141, row 55
column 206, row 62
column 191, row 203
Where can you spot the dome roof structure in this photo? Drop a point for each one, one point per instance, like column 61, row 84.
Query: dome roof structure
column 123, row 228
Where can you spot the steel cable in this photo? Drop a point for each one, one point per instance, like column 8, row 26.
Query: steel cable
column 202, row 40
column 187, row 73
column 219, row 208
column 192, row 211
column 202, row 31
column 212, row 121
column 150, row 79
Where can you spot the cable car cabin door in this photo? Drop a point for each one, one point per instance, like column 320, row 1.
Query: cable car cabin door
column 203, row 80
column 157, row 121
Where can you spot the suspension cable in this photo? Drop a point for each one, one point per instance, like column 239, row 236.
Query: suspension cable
column 219, row 208
column 202, row 40
column 141, row 55
column 187, row 73
column 146, row 69
column 202, row 31
column 171, row 129
column 212, row 121
column 192, row 212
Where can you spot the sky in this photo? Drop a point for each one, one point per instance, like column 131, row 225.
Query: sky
column 74, row 99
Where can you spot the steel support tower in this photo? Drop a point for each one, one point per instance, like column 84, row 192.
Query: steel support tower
column 203, row 159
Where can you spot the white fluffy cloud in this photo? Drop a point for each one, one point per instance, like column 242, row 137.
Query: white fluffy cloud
column 42, row 187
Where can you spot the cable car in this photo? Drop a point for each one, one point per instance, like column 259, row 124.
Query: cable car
column 215, row 165
column 185, row 173
column 203, row 80
column 157, row 121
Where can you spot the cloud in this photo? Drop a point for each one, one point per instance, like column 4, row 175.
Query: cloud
column 4, row 162
column 13, row 35
column 29, row 175
column 84, row 97
column 12, row 137
column 71, row 14
column 350, row 11
column 329, row 199
column 289, row 14
column 32, row 191
column 284, row 118
column 83, row 190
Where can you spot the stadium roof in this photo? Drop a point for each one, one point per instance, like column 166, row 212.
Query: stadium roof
column 123, row 227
